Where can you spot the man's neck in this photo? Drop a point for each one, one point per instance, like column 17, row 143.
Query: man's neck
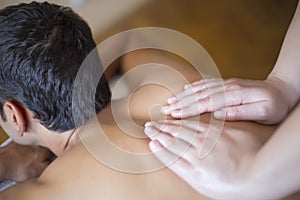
column 58, row 143
column 73, row 139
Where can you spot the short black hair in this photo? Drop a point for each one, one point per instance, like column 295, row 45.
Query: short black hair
column 42, row 46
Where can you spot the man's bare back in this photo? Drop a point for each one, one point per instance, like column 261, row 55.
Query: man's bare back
column 88, row 170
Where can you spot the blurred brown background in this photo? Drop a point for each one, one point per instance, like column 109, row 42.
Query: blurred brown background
column 243, row 37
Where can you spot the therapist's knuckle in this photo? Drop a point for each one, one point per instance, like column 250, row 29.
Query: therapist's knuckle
column 233, row 113
column 263, row 111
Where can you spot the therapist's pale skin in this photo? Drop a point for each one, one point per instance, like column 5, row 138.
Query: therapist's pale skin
column 232, row 170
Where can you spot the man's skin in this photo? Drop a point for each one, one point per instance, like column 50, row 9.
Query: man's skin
column 78, row 174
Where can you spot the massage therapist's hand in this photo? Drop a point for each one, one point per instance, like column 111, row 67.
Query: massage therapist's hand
column 222, row 173
column 20, row 163
column 266, row 102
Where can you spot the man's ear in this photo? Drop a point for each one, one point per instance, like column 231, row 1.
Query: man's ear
column 15, row 115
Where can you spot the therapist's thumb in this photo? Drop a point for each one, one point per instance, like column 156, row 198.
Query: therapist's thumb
column 240, row 112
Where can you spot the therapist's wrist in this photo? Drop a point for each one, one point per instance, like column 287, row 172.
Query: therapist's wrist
column 290, row 91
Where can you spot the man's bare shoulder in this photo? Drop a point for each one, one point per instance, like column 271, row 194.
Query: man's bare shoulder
column 79, row 175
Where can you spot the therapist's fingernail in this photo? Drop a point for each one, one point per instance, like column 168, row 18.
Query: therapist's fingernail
column 149, row 131
column 220, row 114
column 157, row 124
column 166, row 110
column 187, row 86
column 176, row 114
column 171, row 100
column 148, row 124
column 154, row 145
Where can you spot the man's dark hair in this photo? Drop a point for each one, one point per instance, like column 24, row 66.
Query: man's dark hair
column 42, row 46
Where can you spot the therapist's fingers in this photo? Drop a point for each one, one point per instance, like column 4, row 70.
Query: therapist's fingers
column 169, row 159
column 175, row 146
column 170, row 135
column 249, row 111
column 187, row 123
column 197, row 98
column 192, row 97
column 195, row 87
column 214, row 102
column 180, row 131
column 231, row 100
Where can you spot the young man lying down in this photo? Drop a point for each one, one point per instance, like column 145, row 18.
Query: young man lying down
column 105, row 156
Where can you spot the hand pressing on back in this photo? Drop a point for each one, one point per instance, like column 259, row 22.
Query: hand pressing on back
column 218, row 167
column 265, row 101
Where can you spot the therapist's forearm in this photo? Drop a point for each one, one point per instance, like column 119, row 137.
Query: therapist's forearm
column 275, row 168
column 274, row 172
column 287, row 67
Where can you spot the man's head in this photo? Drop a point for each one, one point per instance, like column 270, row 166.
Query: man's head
column 42, row 46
